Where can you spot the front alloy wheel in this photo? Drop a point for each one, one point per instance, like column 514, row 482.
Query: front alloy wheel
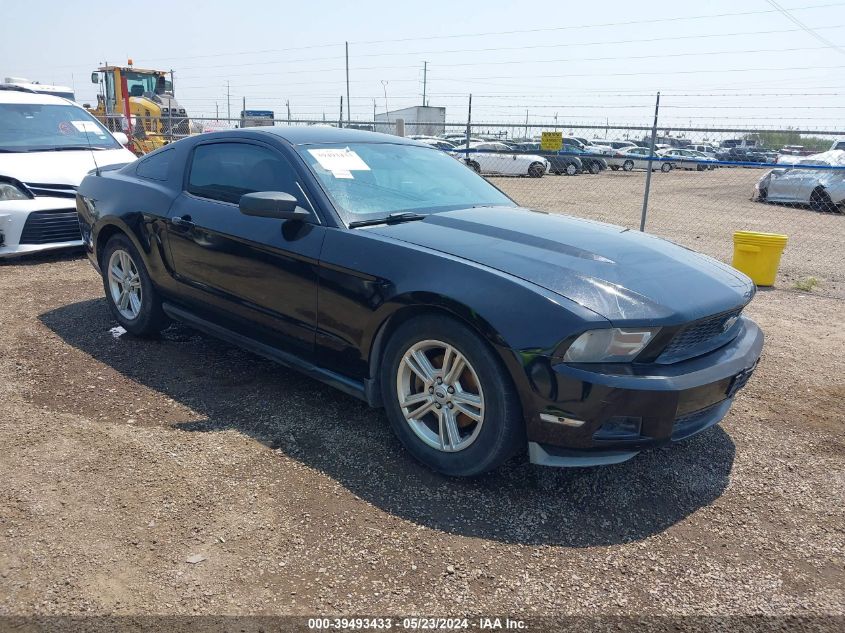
column 125, row 284
column 449, row 398
column 440, row 396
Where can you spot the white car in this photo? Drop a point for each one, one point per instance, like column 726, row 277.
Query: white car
column 705, row 148
column 614, row 144
column 823, row 189
column 497, row 158
column 688, row 159
column 636, row 158
column 47, row 146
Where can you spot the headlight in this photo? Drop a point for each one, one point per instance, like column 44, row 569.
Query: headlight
column 8, row 191
column 609, row 345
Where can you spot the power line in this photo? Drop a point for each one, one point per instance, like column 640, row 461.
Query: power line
column 519, row 61
column 804, row 27
column 495, row 33
column 507, row 48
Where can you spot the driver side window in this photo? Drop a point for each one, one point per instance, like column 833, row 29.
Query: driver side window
column 226, row 171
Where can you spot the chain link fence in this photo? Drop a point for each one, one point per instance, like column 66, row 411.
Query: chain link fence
column 694, row 186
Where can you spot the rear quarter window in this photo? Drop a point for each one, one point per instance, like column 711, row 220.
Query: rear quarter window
column 155, row 167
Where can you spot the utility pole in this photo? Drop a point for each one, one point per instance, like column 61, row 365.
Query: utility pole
column 287, row 104
column 425, row 77
column 216, row 111
column 340, row 120
column 348, row 102
column 243, row 112
column 469, row 127
column 386, row 110
column 526, row 125
column 374, row 114
column 650, row 160
column 228, row 102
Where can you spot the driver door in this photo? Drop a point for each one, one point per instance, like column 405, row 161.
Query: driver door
column 258, row 275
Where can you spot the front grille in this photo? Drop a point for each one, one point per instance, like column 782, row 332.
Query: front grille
column 45, row 227
column 52, row 190
column 700, row 337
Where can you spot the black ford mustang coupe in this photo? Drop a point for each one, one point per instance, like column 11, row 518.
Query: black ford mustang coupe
column 390, row 270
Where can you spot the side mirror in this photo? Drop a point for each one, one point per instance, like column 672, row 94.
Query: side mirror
column 95, row 77
column 121, row 138
column 272, row 204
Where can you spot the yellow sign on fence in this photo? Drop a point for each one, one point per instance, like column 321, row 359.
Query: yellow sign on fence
column 552, row 141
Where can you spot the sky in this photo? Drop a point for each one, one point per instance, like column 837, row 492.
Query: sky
column 717, row 63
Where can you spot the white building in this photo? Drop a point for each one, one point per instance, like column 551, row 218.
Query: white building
column 419, row 120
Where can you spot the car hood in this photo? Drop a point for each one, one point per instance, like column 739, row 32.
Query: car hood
column 621, row 274
column 60, row 168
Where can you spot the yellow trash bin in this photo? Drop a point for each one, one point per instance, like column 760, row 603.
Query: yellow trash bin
column 758, row 255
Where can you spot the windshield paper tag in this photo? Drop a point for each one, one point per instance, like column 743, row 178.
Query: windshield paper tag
column 87, row 126
column 339, row 161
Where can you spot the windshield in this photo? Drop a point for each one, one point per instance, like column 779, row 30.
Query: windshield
column 26, row 127
column 140, row 82
column 372, row 180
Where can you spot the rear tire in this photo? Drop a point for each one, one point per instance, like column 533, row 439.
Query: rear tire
column 820, row 201
column 444, row 437
column 130, row 294
column 536, row 170
column 594, row 168
column 571, row 170
column 666, row 167
column 474, row 166
column 628, row 165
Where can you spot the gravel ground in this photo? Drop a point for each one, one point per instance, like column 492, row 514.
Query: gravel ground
column 184, row 476
column 700, row 210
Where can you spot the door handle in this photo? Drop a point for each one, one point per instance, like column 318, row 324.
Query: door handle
column 183, row 221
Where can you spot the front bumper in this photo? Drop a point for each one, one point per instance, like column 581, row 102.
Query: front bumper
column 569, row 403
column 13, row 219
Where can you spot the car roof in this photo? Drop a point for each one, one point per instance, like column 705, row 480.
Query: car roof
column 311, row 134
column 27, row 97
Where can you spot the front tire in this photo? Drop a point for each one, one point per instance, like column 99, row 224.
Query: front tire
column 571, row 170
column 448, row 398
column 594, row 168
column 666, row 167
column 130, row 294
column 628, row 165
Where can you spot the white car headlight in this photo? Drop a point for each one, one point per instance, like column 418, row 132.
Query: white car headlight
column 609, row 345
column 8, row 191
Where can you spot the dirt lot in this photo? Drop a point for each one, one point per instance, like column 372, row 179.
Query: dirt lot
column 700, row 210
column 124, row 459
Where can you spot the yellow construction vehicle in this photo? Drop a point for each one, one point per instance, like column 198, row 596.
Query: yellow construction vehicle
column 139, row 102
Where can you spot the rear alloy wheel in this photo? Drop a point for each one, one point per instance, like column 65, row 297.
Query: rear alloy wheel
column 666, row 167
column 594, row 168
column 130, row 294
column 448, row 398
column 536, row 170
column 571, row 170
column 820, row 201
column 628, row 165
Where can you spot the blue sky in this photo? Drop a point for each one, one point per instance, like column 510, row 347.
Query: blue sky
column 720, row 62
